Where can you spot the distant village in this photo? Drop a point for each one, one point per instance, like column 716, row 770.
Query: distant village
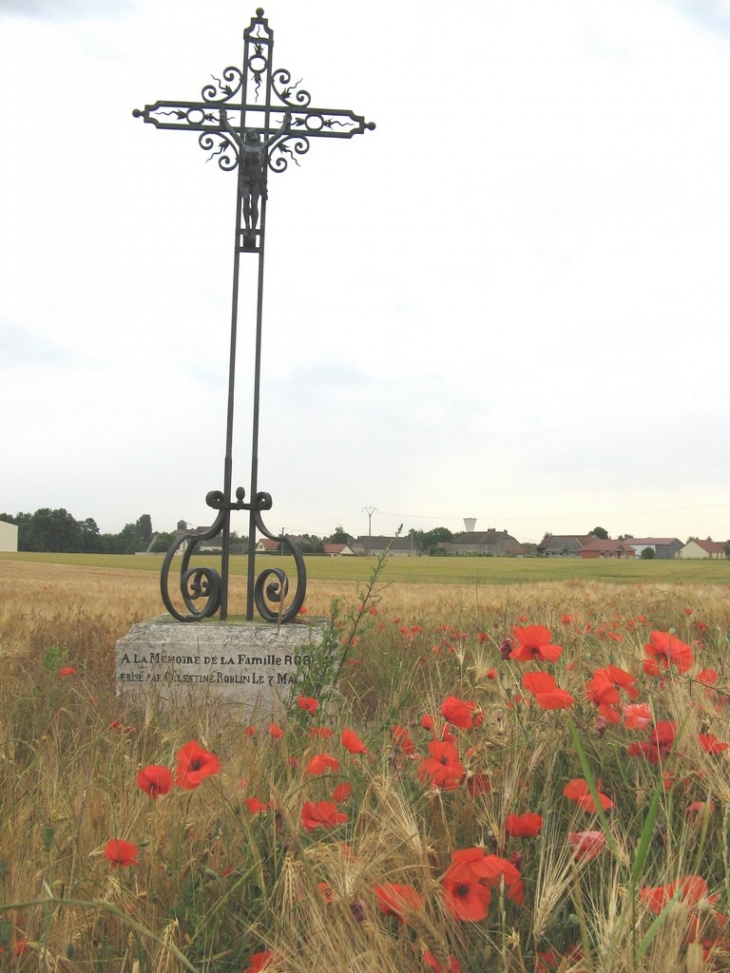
column 498, row 543
column 52, row 528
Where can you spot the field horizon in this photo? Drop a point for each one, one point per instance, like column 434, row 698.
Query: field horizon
column 424, row 570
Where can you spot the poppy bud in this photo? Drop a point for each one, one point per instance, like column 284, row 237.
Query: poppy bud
column 358, row 910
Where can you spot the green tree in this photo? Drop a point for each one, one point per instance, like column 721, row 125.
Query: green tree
column 49, row 530
column 432, row 540
column 648, row 553
column 162, row 542
column 144, row 529
column 340, row 535
column 137, row 536
column 311, row 544
column 89, row 537
column 600, row 532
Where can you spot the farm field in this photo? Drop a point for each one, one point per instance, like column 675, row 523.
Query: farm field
column 521, row 766
column 431, row 570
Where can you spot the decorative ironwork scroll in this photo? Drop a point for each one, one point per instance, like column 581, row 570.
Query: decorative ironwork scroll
column 195, row 583
column 253, row 120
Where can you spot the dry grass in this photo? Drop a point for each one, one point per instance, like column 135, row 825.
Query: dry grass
column 215, row 883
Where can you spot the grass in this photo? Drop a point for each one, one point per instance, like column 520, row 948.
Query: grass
column 230, row 869
column 433, row 570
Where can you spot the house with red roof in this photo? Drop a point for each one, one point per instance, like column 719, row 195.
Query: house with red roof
column 599, row 548
column 703, row 549
column 563, row 545
column 338, row 550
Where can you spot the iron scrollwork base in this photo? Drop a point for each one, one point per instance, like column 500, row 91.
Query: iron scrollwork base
column 272, row 584
column 271, row 587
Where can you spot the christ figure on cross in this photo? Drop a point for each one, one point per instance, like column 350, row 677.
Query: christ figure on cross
column 253, row 155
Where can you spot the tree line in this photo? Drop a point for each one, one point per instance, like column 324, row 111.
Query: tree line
column 56, row 531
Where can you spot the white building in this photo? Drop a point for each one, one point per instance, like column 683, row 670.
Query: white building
column 708, row 548
column 8, row 536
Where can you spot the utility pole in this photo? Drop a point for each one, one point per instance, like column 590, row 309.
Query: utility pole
column 370, row 511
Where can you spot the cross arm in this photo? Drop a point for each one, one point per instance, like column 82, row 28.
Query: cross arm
column 201, row 116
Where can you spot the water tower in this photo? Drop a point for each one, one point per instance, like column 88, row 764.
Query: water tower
column 469, row 524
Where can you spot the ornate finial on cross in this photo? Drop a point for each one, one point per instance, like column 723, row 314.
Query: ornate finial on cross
column 254, row 120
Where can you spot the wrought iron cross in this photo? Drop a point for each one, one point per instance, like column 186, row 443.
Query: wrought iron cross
column 254, row 120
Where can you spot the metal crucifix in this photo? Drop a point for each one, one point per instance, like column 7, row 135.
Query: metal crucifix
column 253, row 120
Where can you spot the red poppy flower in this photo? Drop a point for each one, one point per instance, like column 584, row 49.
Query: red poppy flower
column 275, row 731
column 523, row 825
column 478, row 784
column 402, row 740
column 67, row 671
column 120, row 854
column 605, row 685
column 700, row 808
column 600, row 689
column 690, row 889
column 710, row 743
column 587, row 845
column 431, row 960
column 255, row 806
column 578, row 791
column 194, row 764
column 467, row 899
column 708, row 677
column 665, row 650
column 398, row 900
column 608, row 713
column 495, row 870
column 645, row 750
column 547, row 693
column 155, row 780
column 308, row 703
column 534, row 643
column 664, row 734
column 322, row 762
column 323, row 814
column 259, row 961
column 323, row 732
column 462, row 713
column 352, row 742
column 326, row 892
column 443, row 767
column 341, row 792
column 637, row 716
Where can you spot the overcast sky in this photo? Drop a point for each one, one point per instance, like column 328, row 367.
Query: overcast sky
column 510, row 301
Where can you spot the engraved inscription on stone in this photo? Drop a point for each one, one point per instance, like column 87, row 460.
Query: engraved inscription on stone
column 248, row 664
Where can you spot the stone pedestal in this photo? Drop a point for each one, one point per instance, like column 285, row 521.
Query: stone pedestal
column 249, row 668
